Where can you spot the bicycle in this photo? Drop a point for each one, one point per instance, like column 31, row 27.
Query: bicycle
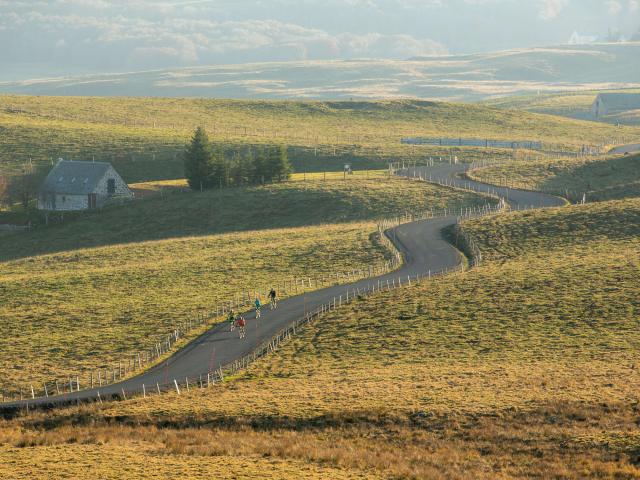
column 242, row 330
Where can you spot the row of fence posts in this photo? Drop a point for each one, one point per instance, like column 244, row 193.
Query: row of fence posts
column 140, row 360
column 217, row 376
column 143, row 359
column 351, row 294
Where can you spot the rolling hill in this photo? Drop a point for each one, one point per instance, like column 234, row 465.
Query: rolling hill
column 524, row 367
column 144, row 137
column 461, row 77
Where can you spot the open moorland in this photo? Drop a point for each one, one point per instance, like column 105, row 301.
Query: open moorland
column 524, row 367
column 145, row 137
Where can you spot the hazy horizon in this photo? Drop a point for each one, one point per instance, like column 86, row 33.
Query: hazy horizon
column 75, row 37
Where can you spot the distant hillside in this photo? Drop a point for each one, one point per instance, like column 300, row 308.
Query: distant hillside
column 144, row 137
column 461, row 77
column 568, row 104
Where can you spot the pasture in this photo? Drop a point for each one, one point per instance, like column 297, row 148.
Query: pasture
column 523, row 367
column 109, row 282
column 144, row 137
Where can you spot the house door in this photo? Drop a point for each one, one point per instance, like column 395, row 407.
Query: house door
column 93, row 200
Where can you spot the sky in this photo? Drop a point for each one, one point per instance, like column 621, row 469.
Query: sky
column 67, row 37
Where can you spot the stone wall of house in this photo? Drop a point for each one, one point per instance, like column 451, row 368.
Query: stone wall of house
column 63, row 202
column 121, row 190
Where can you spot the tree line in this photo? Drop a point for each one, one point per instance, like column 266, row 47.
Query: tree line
column 206, row 167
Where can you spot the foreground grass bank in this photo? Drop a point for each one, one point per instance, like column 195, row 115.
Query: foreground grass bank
column 525, row 367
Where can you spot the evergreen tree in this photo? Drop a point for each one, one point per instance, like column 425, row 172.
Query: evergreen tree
column 273, row 164
column 198, row 161
column 220, row 170
column 285, row 169
column 260, row 173
column 279, row 166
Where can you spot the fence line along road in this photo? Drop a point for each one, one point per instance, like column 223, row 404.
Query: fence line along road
column 219, row 352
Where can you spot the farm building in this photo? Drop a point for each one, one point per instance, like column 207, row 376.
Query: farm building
column 611, row 103
column 81, row 186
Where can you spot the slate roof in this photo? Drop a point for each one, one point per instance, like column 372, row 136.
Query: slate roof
column 620, row 101
column 74, row 178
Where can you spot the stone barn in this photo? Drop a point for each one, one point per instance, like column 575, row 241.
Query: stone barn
column 81, row 186
column 611, row 103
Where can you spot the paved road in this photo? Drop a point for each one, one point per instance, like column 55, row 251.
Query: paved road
column 422, row 246
column 632, row 148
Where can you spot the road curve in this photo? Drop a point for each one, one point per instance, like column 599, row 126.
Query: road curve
column 624, row 149
column 421, row 243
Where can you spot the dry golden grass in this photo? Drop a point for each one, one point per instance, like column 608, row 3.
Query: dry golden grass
column 556, row 440
column 139, row 459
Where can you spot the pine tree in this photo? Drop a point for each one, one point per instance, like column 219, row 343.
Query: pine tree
column 278, row 162
column 198, row 161
column 272, row 164
column 220, row 173
column 241, row 169
column 284, row 166
column 260, row 173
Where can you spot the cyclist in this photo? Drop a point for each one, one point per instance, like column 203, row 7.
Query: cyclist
column 258, row 305
column 231, row 318
column 273, row 298
column 242, row 324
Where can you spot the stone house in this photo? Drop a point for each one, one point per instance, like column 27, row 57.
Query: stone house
column 81, row 186
column 611, row 103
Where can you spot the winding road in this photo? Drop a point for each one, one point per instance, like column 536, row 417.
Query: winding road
column 421, row 243
column 624, row 149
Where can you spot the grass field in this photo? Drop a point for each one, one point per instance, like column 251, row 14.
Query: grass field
column 155, row 262
column 600, row 179
column 525, row 367
column 282, row 205
column 144, row 138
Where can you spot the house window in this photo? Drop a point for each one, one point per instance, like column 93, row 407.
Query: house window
column 64, row 199
column 111, row 186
